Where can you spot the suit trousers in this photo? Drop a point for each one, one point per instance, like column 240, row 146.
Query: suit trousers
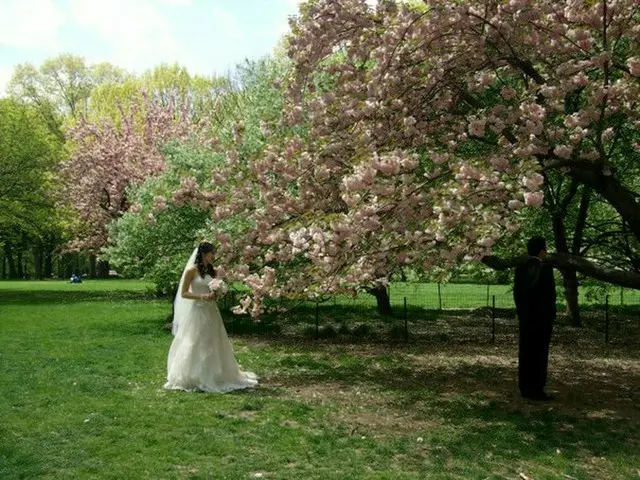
column 533, row 355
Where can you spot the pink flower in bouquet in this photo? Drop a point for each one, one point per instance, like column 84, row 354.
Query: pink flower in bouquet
column 218, row 286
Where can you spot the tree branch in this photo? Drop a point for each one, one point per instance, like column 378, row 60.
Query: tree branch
column 622, row 278
column 611, row 189
column 581, row 222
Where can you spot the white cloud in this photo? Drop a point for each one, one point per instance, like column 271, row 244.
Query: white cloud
column 176, row 3
column 135, row 33
column 5, row 76
column 227, row 23
column 31, row 24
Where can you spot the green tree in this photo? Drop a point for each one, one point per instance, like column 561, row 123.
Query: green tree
column 155, row 236
column 65, row 81
column 29, row 155
column 152, row 241
column 167, row 83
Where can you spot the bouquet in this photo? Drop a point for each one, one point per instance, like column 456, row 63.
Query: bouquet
column 218, row 286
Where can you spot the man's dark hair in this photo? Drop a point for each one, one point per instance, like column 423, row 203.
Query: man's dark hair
column 535, row 245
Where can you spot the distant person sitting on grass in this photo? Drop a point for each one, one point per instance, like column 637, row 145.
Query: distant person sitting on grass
column 75, row 279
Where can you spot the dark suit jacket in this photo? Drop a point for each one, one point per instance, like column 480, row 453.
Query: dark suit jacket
column 534, row 292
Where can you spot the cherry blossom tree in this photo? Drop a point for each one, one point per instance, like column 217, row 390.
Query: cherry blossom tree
column 108, row 157
column 415, row 133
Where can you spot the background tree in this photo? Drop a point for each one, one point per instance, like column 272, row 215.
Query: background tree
column 29, row 156
column 164, row 83
column 108, row 158
column 155, row 236
column 88, row 106
column 66, row 82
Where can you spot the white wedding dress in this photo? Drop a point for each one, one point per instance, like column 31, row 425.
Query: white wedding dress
column 201, row 356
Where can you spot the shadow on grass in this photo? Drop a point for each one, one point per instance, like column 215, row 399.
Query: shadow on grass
column 596, row 413
column 343, row 325
column 244, row 325
column 515, row 435
column 53, row 297
column 337, row 322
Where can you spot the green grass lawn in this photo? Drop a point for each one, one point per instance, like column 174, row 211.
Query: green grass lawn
column 82, row 368
column 453, row 296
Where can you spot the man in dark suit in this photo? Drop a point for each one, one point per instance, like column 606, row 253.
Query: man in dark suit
column 534, row 292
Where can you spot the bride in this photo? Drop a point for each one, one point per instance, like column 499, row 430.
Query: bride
column 201, row 357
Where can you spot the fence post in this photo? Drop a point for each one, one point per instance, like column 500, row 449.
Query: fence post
column 317, row 326
column 487, row 294
column 493, row 320
column 406, row 324
column 439, row 297
column 606, row 319
column 621, row 296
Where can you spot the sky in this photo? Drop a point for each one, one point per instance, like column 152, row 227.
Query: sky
column 205, row 36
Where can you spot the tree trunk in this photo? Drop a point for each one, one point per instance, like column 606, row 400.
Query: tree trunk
column 103, row 269
column 20, row 269
column 37, row 261
column 48, row 264
column 13, row 272
column 569, row 277
column 68, row 267
column 382, row 299
column 92, row 265
column 570, row 281
column 4, row 267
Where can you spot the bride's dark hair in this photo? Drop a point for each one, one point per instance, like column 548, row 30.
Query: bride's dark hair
column 204, row 247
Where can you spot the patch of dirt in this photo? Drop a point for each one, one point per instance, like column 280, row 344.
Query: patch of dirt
column 386, row 397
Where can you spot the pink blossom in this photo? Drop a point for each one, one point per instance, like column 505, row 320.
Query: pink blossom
column 515, row 204
column 487, row 242
column 439, row 158
column 508, row 93
column 634, row 66
column 533, row 181
column 563, row 151
column 500, row 163
column 534, row 199
column 409, row 122
column 477, row 127
column 111, row 156
column 160, row 203
column 608, row 134
column 580, row 80
column 221, row 272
